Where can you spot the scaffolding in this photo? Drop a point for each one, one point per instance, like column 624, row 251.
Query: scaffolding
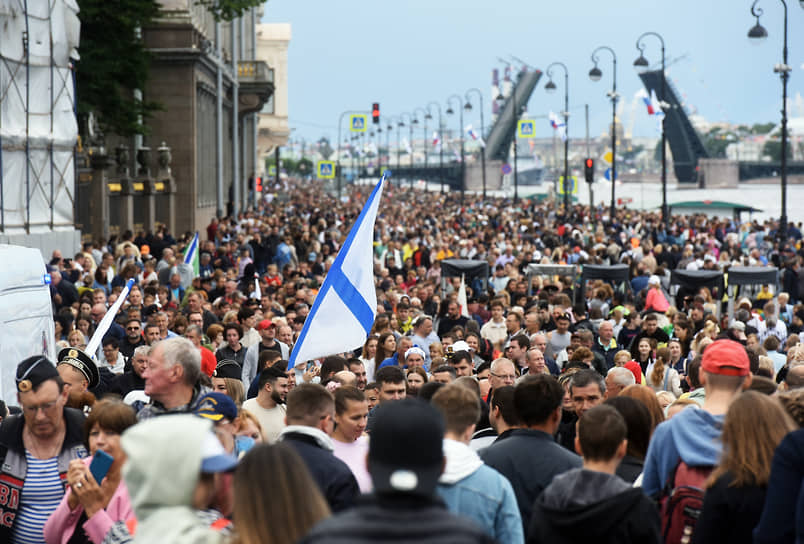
column 38, row 127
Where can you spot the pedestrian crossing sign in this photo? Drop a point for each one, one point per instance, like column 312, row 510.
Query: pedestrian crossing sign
column 573, row 186
column 357, row 123
column 526, row 128
column 326, row 169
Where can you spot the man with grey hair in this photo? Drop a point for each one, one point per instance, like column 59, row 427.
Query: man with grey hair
column 172, row 378
column 132, row 379
column 617, row 379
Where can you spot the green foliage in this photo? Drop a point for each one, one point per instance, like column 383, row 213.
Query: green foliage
column 226, row 10
column 773, row 149
column 716, row 141
column 114, row 63
column 762, row 128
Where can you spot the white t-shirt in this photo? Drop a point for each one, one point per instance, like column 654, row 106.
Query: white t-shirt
column 272, row 420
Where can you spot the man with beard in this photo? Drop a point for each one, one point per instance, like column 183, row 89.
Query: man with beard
column 269, row 404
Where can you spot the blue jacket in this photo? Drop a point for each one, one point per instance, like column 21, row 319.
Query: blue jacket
column 783, row 517
column 480, row 493
column 692, row 436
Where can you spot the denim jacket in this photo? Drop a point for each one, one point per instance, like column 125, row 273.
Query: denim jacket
column 474, row 490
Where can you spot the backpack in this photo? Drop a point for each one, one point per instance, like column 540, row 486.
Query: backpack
column 681, row 502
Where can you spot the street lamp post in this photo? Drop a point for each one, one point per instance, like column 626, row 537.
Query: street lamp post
column 388, row 128
column 758, row 32
column 468, row 107
column 414, row 121
column 641, row 63
column 440, row 139
column 595, row 74
column 450, row 111
column 425, row 115
column 398, row 142
column 551, row 87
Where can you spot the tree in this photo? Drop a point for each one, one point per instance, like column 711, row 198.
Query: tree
column 773, row 149
column 226, row 10
column 113, row 63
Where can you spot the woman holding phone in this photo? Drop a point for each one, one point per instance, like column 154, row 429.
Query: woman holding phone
column 96, row 496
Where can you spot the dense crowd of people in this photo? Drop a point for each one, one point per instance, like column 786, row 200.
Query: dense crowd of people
column 532, row 409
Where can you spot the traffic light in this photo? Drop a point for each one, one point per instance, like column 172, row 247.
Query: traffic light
column 375, row 113
column 589, row 170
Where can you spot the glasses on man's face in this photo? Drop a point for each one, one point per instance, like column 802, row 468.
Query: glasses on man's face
column 505, row 377
column 132, row 328
column 45, row 407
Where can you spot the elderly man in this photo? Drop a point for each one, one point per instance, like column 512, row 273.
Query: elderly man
column 402, row 346
column 36, row 447
column 132, row 380
column 617, row 379
column 503, row 372
column 605, row 344
column 538, row 364
column 172, row 378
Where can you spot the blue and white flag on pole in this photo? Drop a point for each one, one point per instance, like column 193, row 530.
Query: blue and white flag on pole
column 345, row 307
column 191, row 255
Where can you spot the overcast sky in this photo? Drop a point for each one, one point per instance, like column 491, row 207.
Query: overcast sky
column 346, row 54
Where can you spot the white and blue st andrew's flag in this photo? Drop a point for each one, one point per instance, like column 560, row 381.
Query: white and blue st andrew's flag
column 345, row 307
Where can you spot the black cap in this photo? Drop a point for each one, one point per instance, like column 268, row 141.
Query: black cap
column 82, row 363
column 228, row 369
column 33, row 371
column 406, row 452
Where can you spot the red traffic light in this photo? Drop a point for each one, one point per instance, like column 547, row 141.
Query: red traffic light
column 375, row 113
column 589, row 169
column 590, row 163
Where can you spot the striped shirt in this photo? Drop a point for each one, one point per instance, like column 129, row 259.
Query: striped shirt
column 41, row 494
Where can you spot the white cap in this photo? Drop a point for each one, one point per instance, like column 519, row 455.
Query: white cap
column 460, row 345
column 654, row 280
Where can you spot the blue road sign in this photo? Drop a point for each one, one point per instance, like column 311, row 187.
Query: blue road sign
column 506, row 168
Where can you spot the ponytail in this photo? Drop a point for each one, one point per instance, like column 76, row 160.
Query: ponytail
column 662, row 358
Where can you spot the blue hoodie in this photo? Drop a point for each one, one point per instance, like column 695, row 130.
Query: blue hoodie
column 693, row 436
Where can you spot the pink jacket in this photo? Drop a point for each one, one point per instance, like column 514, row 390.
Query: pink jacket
column 62, row 522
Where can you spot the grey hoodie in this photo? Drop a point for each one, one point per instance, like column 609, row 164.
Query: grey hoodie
column 161, row 472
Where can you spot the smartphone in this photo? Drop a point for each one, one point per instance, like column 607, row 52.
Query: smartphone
column 100, row 465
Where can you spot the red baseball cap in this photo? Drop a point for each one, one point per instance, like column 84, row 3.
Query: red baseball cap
column 725, row 357
column 265, row 324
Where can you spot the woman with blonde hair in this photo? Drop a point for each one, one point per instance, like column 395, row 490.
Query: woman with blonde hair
column 293, row 506
column 754, row 426
column 661, row 376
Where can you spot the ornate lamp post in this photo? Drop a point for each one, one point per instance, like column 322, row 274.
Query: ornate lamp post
column 550, row 87
column 468, row 107
column 641, row 63
column 758, row 33
column 595, row 74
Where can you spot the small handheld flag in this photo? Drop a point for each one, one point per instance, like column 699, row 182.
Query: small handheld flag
column 559, row 126
column 462, row 300
column 95, row 342
column 191, row 255
column 344, row 309
column 472, row 133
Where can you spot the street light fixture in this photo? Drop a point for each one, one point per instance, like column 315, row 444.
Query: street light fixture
column 441, row 142
column 641, row 64
column 426, row 115
column 550, row 87
column 595, row 74
column 758, row 33
column 398, row 143
column 468, row 107
column 450, row 111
